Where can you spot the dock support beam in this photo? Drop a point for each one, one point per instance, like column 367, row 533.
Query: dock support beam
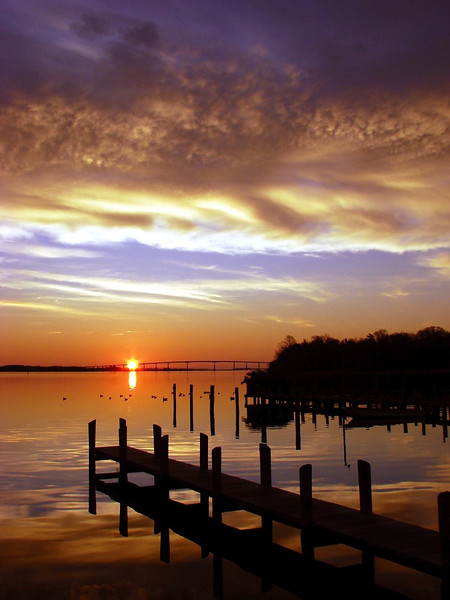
column 92, row 478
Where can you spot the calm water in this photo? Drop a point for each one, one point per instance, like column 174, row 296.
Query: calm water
column 52, row 547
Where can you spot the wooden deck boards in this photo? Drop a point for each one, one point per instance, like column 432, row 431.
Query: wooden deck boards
column 400, row 542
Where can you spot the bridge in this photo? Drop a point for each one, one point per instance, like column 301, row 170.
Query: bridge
column 188, row 365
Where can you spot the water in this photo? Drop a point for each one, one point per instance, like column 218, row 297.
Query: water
column 52, row 547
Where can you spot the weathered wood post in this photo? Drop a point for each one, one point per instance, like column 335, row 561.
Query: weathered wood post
column 157, row 434
column 174, row 395
column 92, row 478
column 204, row 498
column 217, row 484
column 212, row 418
column 191, row 406
column 305, row 476
column 444, row 533
column 236, row 401
column 123, row 473
column 123, row 477
column 365, row 506
column 365, row 487
column 265, row 467
column 162, row 488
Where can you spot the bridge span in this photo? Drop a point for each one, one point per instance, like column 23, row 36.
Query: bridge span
column 189, row 365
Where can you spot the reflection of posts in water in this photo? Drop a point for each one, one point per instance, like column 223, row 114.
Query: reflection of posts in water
column 365, row 506
column 217, row 575
column 92, row 478
column 263, row 421
column 298, row 441
column 444, row 423
column 344, row 441
column 236, row 401
column 164, row 548
column 211, row 410
column 191, row 406
column 174, row 395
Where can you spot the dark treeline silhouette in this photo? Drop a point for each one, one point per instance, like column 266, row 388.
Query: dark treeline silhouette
column 380, row 351
column 332, row 363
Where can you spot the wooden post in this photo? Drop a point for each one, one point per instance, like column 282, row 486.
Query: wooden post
column 204, row 498
column 365, row 487
column 157, row 434
column 92, row 479
column 305, row 476
column 211, row 410
column 191, row 406
column 265, row 465
column 236, row 401
column 444, row 532
column 217, row 483
column 123, row 474
column 266, row 482
column 365, row 506
column 174, row 394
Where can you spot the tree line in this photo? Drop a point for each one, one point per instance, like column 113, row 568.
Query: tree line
column 428, row 349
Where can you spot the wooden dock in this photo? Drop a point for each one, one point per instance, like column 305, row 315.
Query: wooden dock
column 320, row 522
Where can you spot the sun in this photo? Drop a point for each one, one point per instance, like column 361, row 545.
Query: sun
column 132, row 365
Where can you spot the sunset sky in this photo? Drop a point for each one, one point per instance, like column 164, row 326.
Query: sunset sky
column 198, row 179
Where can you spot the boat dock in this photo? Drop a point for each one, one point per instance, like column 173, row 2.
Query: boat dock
column 319, row 522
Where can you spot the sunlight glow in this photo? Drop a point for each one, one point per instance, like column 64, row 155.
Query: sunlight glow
column 132, row 365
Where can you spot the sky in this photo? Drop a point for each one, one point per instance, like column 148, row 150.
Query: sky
column 197, row 180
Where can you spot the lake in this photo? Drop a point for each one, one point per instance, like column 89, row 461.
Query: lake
column 52, row 547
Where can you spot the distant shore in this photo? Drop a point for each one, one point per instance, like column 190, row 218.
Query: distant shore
column 26, row 368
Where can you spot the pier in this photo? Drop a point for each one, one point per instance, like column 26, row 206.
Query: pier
column 318, row 522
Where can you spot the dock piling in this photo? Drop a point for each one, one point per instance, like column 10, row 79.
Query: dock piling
column 265, row 465
column 216, row 457
column 157, row 434
column 92, row 496
column 123, row 444
column 191, row 406
column 365, row 487
column 305, row 476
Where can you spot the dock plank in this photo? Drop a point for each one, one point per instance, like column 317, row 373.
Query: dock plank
column 400, row 542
